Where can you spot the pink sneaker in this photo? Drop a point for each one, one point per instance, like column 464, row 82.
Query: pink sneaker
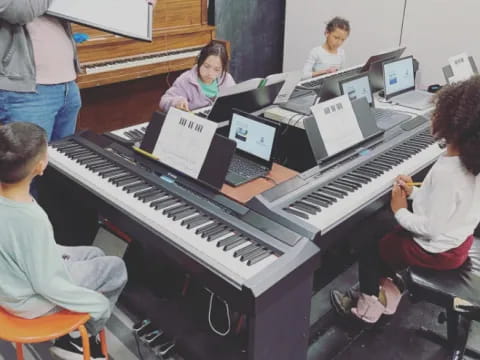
column 368, row 309
column 392, row 295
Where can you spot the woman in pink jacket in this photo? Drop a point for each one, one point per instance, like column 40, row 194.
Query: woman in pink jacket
column 199, row 86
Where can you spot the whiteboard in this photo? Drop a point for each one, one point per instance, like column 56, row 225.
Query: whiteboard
column 434, row 30
column 131, row 18
column 375, row 26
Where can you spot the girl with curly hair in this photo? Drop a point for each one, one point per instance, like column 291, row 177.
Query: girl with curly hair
column 446, row 210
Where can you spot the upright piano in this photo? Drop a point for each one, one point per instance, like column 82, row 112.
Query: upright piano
column 122, row 79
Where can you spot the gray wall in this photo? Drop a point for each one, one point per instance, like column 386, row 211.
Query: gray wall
column 255, row 30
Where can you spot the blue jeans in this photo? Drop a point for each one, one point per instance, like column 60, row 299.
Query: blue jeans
column 53, row 107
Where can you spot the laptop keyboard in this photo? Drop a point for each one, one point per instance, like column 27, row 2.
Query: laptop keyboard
column 418, row 98
column 244, row 168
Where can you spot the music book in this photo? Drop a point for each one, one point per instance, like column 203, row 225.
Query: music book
column 130, row 18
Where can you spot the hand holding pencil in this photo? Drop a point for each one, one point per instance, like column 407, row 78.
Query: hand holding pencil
column 406, row 183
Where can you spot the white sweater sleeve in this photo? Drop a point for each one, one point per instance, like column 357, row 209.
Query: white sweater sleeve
column 308, row 67
column 441, row 206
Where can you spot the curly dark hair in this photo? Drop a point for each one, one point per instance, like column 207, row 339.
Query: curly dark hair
column 338, row 22
column 456, row 119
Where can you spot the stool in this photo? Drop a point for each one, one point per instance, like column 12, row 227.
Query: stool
column 458, row 291
column 27, row 331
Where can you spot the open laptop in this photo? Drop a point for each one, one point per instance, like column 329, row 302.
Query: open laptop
column 249, row 101
column 255, row 138
column 359, row 86
column 399, row 85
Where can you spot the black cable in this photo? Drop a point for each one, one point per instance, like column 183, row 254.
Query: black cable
column 403, row 22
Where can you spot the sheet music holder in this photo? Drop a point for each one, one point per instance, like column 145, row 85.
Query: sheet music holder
column 448, row 72
column 366, row 122
column 130, row 18
column 217, row 161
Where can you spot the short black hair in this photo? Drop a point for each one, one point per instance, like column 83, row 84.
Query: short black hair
column 215, row 48
column 338, row 23
column 20, row 145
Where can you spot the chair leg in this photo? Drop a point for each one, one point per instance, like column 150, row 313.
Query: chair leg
column 85, row 342
column 19, row 348
column 452, row 326
column 103, row 342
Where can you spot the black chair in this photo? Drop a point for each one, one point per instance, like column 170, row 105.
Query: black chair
column 458, row 291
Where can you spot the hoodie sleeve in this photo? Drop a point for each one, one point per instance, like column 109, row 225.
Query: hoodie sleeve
column 39, row 257
column 175, row 93
column 22, row 11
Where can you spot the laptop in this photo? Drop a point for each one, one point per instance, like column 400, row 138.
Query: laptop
column 248, row 101
column 399, row 85
column 358, row 86
column 255, row 138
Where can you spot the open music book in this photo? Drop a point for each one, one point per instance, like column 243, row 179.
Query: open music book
column 130, row 18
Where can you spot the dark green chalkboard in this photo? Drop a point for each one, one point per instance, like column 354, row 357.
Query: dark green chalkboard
column 255, row 29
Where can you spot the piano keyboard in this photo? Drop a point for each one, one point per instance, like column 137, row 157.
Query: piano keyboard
column 233, row 253
column 155, row 58
column 327, row 201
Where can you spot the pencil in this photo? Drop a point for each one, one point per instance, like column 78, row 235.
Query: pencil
column 143, row 152
column 413, row 183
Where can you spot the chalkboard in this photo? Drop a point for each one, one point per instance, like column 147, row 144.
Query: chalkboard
column 255, row 30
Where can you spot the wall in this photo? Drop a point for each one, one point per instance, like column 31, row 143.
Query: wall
column 375, row 26
column 255, row 29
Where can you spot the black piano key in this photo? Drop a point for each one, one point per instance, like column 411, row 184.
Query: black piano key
column 153, row 196
column 93, row 161
column 388, row 160
column 121, row 177
column 259, row 258
column 253, row 254
column 229, row 240
column 163, row 204
column 233, row 244
column 303, row 207
column 372, row 169
column 354, row 184
column 201, row 219
column 183, row 214
column 316, row 201
column 127, row 181
column 245, row 250
column 341, row 186
column 174, row 209
column 211, row 231
column 406, row 149
column 296, row 213
column 206, row 227
column 312, row 206
column 211, row 235
column 365, row 173
column 358, row 177
column 379, row 164
column 65, row 146
column 77, row 154
column 327, row 194
column 391, row 158
column 113, row 172
column 398, row 153
column 219, row 234
column 99, row 165
column 135, row 187
column 333, row 192
column 321, row 198
column 86, row 157
column 153, row 190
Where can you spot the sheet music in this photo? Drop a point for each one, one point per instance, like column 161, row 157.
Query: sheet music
column 461, row 68
column 337, row 124
column 184, row 141
column 132, row 18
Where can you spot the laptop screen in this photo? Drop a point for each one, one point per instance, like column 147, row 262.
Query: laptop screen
column 252, row 136
column 357, row 87
column 398, row 76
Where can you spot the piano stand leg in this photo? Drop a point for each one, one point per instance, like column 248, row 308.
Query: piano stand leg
column 279, row 329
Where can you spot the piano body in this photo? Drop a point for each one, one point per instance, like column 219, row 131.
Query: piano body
column 321, row 199
column 122, row 79
column 262, row 269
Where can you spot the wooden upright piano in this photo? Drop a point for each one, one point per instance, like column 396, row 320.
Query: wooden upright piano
column 122, row 79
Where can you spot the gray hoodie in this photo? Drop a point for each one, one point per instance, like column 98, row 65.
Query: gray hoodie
column 17, row 65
